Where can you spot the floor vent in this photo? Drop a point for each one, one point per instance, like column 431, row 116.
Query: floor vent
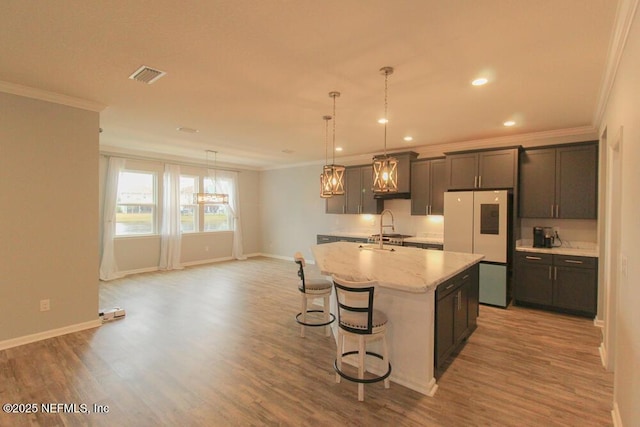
column 146, row 74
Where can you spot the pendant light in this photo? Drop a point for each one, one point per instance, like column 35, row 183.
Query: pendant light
column 385, row 167
column 214, row 198
column 333, row 175
column 325, row 182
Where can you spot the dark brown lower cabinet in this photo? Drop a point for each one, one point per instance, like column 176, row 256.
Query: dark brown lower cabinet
column 557, row 282
column 456, row 312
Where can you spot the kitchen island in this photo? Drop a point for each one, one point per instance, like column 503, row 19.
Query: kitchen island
column 408, row 279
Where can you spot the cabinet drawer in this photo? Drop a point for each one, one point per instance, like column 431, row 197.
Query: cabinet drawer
column 452, row 284
column 574, row 261
column 533, row 258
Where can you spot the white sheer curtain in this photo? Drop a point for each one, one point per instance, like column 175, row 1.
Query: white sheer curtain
column 108, row 265
column 171, row 237
column 227, row 182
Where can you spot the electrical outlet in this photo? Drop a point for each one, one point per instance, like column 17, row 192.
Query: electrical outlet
column 45, row 305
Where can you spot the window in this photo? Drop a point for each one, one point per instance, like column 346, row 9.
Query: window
column 216, row 217
column 188, row 210
column 136, row 203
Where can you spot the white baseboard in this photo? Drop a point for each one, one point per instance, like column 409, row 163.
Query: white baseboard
column 603, row 355
column 207, row 261
column 615, row 416
column 27, row 339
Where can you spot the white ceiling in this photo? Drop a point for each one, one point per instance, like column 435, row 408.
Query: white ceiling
column 253, row 76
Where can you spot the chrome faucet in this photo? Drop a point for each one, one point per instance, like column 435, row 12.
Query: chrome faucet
column 393, row 228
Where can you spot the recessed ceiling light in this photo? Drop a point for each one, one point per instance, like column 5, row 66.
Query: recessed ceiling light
column 408, row 138
column 187, row 130
column 480, row 81
column 509, row 123
column 338, row 148
column 383, row 121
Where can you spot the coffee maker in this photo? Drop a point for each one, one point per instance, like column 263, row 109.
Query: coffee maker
column 538, row 237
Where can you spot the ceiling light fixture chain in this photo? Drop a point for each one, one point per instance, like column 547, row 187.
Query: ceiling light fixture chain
column 334, row 95
column 386, row 71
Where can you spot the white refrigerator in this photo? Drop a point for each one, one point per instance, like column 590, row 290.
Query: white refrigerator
column 479, row 222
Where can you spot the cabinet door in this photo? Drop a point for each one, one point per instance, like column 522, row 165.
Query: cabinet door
column 445, row 339
column 534, row 283
column 461, row 314
column 335, row 205
column 575, row 289
column 462, row 171
column 352, row 189
column 537, row 183
column 577, row 182
column 438, row 181
column 496, row 169
column 369, row 204
column 420, row 172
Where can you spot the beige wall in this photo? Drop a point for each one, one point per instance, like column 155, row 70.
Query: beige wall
column 623, row 111
column 48, row 216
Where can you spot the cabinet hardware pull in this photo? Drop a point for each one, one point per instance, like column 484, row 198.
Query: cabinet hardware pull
column 459, row 297
column 549, row 272
column 479, row 181
column 465, row 277
column 533, row 257
column 555, row 273
column 450, row 286
column 557, row 208
column 572, row 261
column 475, row 181
column 551, row 211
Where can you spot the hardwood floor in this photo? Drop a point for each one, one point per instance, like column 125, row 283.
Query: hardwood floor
column 218, row 345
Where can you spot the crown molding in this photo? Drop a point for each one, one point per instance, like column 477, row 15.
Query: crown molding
column 43, row 95
column 624, row 18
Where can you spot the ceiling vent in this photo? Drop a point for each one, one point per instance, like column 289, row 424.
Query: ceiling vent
column 146, row 75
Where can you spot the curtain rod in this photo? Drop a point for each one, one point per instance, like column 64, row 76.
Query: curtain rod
column 155, row 159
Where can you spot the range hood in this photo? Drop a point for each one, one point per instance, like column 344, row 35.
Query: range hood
column 404, row 176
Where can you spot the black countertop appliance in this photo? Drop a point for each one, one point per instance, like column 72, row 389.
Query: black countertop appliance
column 538, row 237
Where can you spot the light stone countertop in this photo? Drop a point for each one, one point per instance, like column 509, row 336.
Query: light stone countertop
column 347, row 234
column 574, row 248
column 407, row 269
column 432, row 240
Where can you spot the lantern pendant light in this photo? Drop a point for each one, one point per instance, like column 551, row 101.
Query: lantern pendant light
column 214, row 198
column 325, row 180
column 385, row 167
column 333, row 175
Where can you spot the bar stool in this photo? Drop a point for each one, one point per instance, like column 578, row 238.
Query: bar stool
column 358, row 319
column 311, row 289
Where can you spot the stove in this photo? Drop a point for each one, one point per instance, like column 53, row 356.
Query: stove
column 388, row 239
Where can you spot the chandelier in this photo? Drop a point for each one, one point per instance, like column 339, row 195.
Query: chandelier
column 385, row 167
column 214, row 198
column 325, row 180
column 332, row 178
